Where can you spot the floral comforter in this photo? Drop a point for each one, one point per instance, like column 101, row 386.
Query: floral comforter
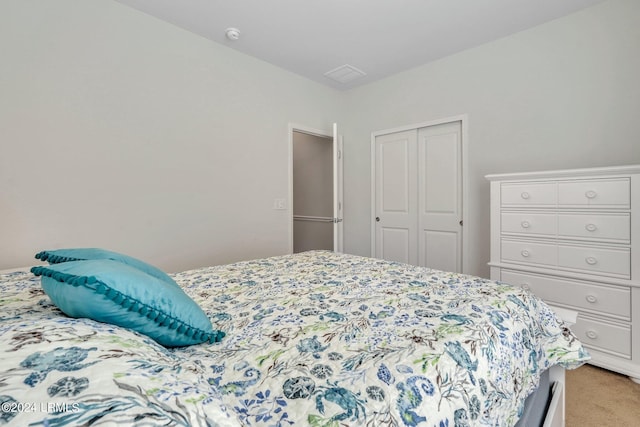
column 313, row 339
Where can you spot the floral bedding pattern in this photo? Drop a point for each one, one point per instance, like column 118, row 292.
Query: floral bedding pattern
column 313, row 339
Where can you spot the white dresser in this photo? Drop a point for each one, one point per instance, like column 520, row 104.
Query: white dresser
column 572, row 237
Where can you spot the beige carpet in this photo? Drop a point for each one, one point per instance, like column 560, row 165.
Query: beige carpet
column 597, row 397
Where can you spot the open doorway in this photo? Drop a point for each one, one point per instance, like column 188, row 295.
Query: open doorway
column 316, row 199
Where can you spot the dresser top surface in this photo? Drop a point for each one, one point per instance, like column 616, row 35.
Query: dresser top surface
column 567, row 173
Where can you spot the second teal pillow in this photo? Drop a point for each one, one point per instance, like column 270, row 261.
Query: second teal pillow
column 58, row 256
column 112, row 292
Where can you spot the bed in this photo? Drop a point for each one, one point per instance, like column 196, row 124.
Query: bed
column 311, row 339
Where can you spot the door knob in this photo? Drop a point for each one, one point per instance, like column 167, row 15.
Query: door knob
column 377, row 219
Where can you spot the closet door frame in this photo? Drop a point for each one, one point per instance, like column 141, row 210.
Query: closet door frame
column 463, row 119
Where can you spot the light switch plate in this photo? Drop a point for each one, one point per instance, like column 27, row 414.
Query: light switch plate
column 279, row 204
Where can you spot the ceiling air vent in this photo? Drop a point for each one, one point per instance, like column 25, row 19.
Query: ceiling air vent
column 345, row 73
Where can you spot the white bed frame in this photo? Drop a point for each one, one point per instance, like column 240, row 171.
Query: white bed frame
column 556, row 412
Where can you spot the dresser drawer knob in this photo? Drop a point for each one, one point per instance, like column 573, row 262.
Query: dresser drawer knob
column 525, row 224
column 590, row 194
column 525, row 253
column 525, row 195
column 591, row 260
column 591, row 227
column 525, row 286
column 592, row 335
column 591, row 299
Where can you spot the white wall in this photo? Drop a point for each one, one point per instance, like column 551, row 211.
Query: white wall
column 561, row 95
column 121, row 131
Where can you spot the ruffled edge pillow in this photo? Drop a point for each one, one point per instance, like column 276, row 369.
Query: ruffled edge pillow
column 112, row 292
column 58, row 256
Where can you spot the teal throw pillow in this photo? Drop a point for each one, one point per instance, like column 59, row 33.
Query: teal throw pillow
column 82, row 254
column 112, row 292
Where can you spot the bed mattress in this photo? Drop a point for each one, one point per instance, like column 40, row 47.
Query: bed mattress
column 312, row 339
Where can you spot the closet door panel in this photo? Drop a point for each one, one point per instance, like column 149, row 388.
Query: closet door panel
column 440, row 250
column 396, row 206
column 395, row 245
column 440, row 196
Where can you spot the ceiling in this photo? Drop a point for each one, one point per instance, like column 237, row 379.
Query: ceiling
column 377, row 37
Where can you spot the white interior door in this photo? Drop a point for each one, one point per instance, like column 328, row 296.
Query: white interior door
column 417, row 195
column 337, row 190
column 440, row 198
column 396, row 204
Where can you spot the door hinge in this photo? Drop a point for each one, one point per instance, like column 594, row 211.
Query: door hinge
column 461, row 223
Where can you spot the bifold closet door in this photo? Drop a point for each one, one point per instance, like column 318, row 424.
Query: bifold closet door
column 418, row 196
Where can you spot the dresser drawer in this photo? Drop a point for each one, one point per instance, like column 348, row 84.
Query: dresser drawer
column 612, row 227
column 614, row 193
column 607, row 261
column 529, row 252
column 535, row 224
column 612, row 300
column 603, row 335
column 529, row 194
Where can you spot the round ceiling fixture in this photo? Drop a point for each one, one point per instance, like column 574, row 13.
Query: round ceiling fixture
column 232, row 33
